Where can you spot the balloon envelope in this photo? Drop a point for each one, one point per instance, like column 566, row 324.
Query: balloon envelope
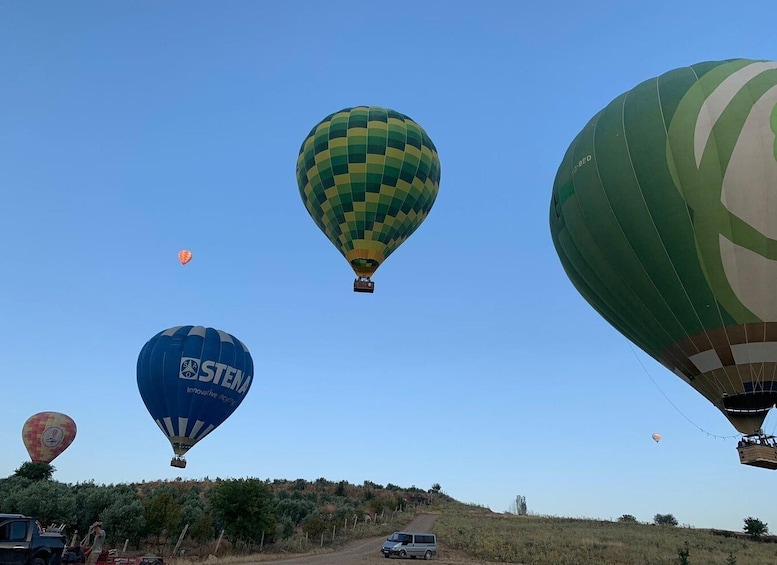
column 47, row 434
column 656, row 437
column 184, row 256
column 664, row 216
column 191, row 379
column 368, row 177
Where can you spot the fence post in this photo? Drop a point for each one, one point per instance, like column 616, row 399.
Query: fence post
column 218, row 543
column 322, row 539
column 180, row 539
column 261, row 544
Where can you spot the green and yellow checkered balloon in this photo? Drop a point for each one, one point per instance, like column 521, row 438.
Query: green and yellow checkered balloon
column 368, row 177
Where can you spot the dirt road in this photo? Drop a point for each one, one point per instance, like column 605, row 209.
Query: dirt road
column 364, row 551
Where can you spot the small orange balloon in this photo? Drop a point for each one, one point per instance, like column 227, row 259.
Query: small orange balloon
column 184, row 256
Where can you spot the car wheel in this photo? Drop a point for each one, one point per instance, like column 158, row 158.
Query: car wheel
column 427, row 555
column 403, row 554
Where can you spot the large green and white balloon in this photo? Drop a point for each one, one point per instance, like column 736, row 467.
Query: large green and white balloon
column 664, row 216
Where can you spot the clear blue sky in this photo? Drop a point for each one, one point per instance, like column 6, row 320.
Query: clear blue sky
column 131, row 130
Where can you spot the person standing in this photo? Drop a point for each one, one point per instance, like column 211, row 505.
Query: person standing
column 97, row 544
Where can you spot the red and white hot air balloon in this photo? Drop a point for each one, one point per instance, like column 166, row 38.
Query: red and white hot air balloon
column 47, row 434
column 184, row 256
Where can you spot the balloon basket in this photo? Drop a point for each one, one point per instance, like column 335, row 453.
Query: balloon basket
column 363, row 285
column 758, row 452
column 178, row 462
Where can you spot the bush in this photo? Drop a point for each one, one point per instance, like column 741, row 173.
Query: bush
column 314, row 526
column 664, row 520
column 627, row 518
column 755, row 528
column 683, row 555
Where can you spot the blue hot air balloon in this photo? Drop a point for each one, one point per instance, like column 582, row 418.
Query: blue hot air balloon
column 191, row 379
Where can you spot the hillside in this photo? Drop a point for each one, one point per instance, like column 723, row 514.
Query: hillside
column 252, row 520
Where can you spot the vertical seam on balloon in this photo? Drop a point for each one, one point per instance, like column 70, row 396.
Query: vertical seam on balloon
column 765, row 151
column 621, row 321
column 713, row 379
column 407, row 231
column 198, row 417
column 383, row 172
column 724, row 370
column 169, row 402
column 626, row 239
column 165, row 409
column 634, row 326
column 643, row 329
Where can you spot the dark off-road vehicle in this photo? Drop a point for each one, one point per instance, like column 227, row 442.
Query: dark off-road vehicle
column 24, row 542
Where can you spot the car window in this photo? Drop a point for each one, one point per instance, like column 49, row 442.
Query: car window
column 17, row 531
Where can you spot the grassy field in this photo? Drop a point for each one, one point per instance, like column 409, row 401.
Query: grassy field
column 533, row 540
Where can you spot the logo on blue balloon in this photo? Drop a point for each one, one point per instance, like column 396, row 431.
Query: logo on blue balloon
column 190, row 368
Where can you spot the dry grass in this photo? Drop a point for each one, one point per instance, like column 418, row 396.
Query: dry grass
column 533, row 540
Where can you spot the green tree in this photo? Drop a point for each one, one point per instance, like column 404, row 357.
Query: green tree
column 91, row 502
column 755, row 528
column 10, row 490
column 246, row 508
column 287, row 529
column 202, row 529
column 664, row 520
column 192, row 506
column 49, row 501
column 627, row 518
column 163, row 515
column 314, row 526
column 379, row 504
column 35, row 471
column 125, row 518
column 436, row 488
column 294, row 509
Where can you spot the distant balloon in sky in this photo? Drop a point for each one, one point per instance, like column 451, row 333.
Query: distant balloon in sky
column 664, row 216
column 184, row 256
column 191, row 379
column 47, row 434
column 656, row 437
column 368, row 177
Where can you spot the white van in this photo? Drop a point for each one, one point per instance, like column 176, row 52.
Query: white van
column 410, row 544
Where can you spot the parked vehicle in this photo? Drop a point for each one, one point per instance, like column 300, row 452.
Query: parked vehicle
column 23, row 541
column 410, row 544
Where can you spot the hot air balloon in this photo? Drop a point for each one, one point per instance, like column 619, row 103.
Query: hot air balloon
column 656, row 437
column 47, row 434
column 368, row 177
column 664, row 216
column 191, row 379
column 184, row 256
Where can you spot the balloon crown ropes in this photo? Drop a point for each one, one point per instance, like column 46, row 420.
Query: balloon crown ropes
column 664, row 216
column 368, row 177
column 191, row 379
